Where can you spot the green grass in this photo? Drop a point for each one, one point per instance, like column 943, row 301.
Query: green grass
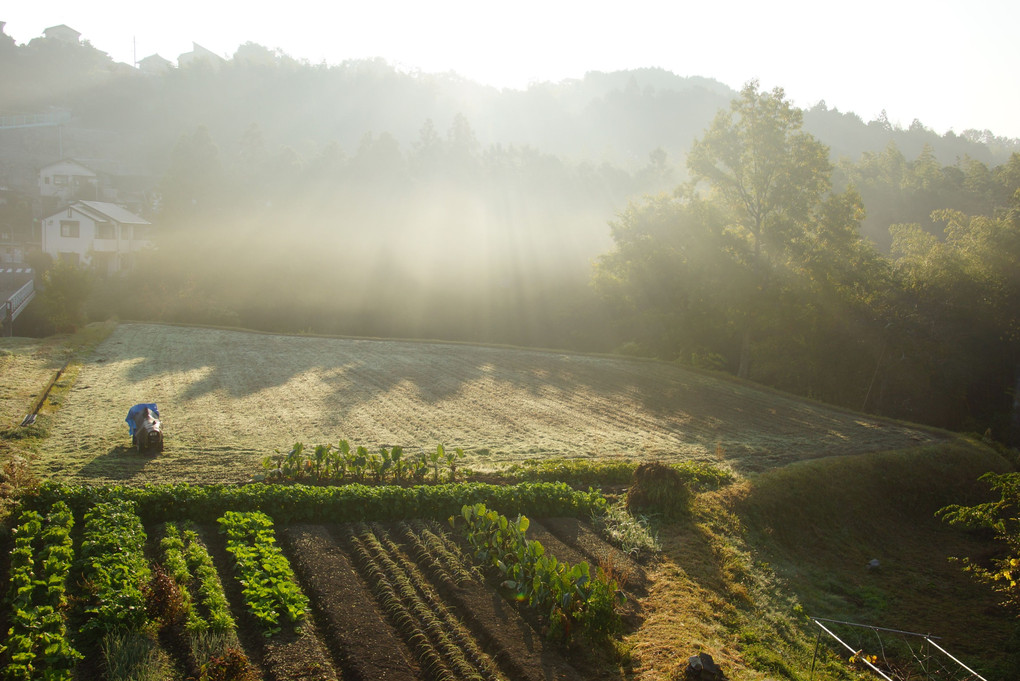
column 813, row 527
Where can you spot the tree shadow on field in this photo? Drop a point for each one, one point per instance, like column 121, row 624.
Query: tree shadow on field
column 122, row 462
column 553, row 396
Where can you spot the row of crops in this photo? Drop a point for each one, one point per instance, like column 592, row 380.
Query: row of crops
column 131, row 593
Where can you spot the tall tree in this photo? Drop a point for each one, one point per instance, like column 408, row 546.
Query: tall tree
column 769, row 175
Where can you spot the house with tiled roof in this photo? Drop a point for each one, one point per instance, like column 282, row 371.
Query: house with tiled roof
column 96, row 234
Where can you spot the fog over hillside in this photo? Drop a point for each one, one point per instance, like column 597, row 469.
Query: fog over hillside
column 363, row 199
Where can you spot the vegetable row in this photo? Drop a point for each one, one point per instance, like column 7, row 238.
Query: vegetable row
column 37, row 645
column 125, row 602
column 569, row 596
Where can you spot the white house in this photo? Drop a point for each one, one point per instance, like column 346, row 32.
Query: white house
column 67, row 179
column 96, row 234
column 200, row 55
column 62, row 33
column 155, row 64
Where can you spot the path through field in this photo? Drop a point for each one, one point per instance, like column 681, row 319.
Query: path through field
column 229, row 398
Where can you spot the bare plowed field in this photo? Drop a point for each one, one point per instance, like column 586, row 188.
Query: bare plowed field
column 395, row 601
column 229, row 398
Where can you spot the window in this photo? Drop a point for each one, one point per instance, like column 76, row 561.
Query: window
column 60, row 179
column 105, row 230
column 69, row 228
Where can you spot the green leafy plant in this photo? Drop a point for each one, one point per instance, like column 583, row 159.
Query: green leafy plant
column 37, row 641
column 114, row 568
column 1002, row 517
column 270, row 589
column 188, row 561
column 567, row 595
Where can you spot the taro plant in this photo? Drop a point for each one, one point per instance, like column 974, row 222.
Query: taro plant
column 340, row 463
column 567, row 595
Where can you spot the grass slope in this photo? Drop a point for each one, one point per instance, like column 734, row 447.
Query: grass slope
column 742, row 577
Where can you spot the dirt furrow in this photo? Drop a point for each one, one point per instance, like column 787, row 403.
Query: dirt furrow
column 597, row 551
column 362, row 643
column 521, row 653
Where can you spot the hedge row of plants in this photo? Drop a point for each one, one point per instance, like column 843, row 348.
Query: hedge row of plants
column 310, row 503
column 569, row 596
column 697, row 475
column 37, row 644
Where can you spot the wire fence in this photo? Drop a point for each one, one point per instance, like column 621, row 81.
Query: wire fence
column 891, row 654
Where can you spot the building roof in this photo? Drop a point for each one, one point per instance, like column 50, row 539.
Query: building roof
column 68, row 160
column 61, row 30
column 102, row 211
column 111, row 211
column 154, row 62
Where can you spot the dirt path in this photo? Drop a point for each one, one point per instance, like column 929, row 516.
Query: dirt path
column 229, row 398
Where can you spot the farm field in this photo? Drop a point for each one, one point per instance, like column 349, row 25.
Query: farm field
column 229, row 398
column 355, row 600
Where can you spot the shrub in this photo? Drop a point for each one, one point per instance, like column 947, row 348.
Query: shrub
column 658, row 488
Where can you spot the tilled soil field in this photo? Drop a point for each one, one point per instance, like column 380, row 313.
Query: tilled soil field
column 401, row 601
column 229, row 398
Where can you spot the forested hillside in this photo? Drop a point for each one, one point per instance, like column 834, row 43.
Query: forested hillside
column 860, row 263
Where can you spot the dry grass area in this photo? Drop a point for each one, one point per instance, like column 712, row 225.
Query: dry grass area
column 27, row 365
column 228, row 398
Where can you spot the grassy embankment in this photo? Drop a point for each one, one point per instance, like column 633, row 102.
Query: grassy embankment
column 757, row 557
column 741, row 578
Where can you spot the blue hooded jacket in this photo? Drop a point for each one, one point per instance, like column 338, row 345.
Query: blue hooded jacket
column 134, row 411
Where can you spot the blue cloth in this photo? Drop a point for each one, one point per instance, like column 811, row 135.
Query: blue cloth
column 137, row 409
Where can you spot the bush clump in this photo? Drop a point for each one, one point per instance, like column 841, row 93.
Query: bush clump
column 657, row 488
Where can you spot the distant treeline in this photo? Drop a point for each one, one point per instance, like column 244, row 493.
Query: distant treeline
column 355, row 199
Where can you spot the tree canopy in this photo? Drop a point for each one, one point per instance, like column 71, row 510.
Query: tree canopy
column 759, row 265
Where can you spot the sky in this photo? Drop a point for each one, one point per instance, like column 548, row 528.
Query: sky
column 952, row 65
